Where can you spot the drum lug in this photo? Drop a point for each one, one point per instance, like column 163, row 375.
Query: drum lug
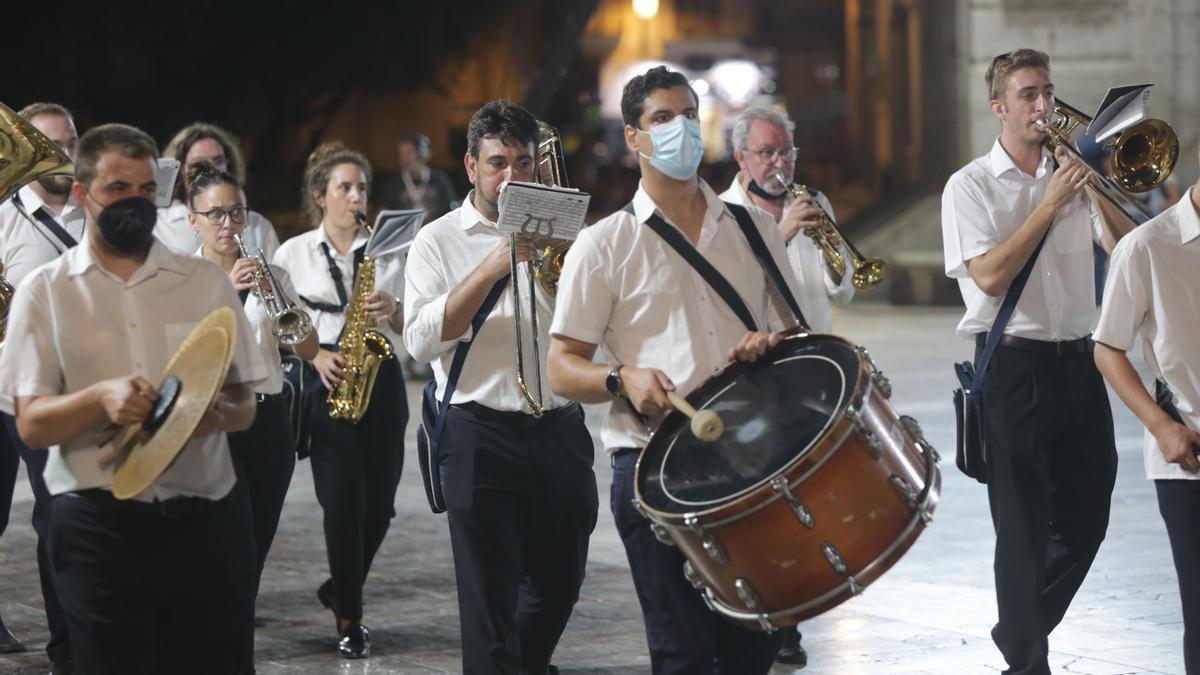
column 660, row 533
column 835, row 559
column 881, row 380
column 803, row 513
column 855, row 587
column 711, row 546
column 692, row 576
column 906, row 492
column 747, row 594
column 914, row 428
column 867, row 436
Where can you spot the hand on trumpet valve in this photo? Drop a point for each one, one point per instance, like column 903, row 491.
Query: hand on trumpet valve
column 242, row 274
column 801, row 214
column 752, row 345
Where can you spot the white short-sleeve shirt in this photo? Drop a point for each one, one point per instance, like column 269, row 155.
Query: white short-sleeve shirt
column 808, row 262
column 174, row 230
column 625, row 288
column 984, row 204
column 74, row 324
column 26, row 242
column 303, row 259
column 444, row 253
column 1153, row 290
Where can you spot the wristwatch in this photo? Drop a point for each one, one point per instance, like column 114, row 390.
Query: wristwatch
column 613, row 382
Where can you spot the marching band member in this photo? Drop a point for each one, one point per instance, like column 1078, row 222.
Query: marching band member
column 762, row 142
column 166, row 577
column 203, row 142
column 356, row 467
column 39, row 223
column 1047, row 422
column 264, row 453
column 520, row 492
column 1153, row 278
column 663, row 329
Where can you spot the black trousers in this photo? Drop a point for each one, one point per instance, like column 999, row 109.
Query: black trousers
column 1052, row 465
column 683, row 635
column 9, row 462
column 265, row 460
column 521, row 504
column 356, row 469
column 58, row 649
column 144, row 593
column 1179, row 504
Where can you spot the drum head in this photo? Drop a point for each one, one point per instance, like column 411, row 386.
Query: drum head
column 774, row 409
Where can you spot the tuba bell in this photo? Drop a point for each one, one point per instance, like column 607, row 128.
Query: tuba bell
column 1143, row 155
column 25, row 155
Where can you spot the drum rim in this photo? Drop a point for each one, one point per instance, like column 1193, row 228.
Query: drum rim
column 761, row 495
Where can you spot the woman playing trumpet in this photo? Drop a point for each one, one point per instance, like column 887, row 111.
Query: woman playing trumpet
column 262, row 454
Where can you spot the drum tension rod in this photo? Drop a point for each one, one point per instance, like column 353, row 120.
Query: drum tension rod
column 711, row 546
column 838, row 563
column 803, row 513
column 868, row 437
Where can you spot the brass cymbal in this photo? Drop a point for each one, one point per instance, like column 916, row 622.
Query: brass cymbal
column 146, row 450
column 26, row 154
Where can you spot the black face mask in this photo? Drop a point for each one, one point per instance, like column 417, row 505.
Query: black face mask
column 128, row 225
column 756, row 189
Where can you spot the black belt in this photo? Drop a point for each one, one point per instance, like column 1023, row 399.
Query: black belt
column 516, row 419
column 622, row 452
column 1081, row 345
column 264, row 398
column 175, row 507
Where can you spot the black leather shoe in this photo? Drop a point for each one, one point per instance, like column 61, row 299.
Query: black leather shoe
column 790, row 652
column 9, row 644
column 325, row 595
column 355, row 642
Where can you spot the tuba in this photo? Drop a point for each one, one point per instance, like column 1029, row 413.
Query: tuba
column 1143, row 155
column 542, row 271
column 363, row 347
column 867, row 273
column 25, row 155
column 289, row 324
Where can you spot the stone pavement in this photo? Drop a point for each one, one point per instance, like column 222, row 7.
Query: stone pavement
column 930, row 614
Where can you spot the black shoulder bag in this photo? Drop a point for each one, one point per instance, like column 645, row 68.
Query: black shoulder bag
column 433, row 415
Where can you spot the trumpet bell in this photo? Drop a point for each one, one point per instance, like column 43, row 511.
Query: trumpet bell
column 291, row 326
column 1145, row 155
column 26, row 154
column 869, row 274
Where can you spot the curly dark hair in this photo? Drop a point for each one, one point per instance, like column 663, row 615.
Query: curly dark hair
column 316, row 175
column 633, row 98
column 202, row 175
column 514, row 125
column 192, row 134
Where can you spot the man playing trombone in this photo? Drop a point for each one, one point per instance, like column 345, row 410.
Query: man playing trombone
column 1051, row 457
column 763, row 148
column 519, row 488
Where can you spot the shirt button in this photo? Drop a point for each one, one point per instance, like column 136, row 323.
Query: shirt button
column 132, row 325
column 137, row 365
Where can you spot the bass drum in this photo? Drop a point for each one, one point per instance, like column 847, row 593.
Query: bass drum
column 815, row 488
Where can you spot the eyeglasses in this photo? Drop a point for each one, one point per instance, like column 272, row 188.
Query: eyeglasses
column 1001, row 57
column 771, row 154
column 216, row 216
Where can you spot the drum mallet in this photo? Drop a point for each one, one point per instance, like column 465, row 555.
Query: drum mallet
column 706, row 424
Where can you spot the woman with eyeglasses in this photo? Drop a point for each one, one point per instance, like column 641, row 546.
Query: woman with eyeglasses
column 263, row 455
column 201, row 142
column 356, row 467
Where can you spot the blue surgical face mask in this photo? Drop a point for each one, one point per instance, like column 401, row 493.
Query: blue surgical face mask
column 678, row 147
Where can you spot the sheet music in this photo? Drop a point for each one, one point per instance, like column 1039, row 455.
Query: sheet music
column 166, row 169
column 1123, row 107
column 542, row 211
column 394, row 231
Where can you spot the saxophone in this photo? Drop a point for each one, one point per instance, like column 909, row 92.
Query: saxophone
column 363, row 347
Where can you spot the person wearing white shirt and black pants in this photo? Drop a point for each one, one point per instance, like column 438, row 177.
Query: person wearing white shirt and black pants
column 762, row 145
column 356, row 467
column 264, row 454
column 1153, row 280
column 664, row 329
column 164, row 580
column 204, row 142
column 39, row 223
column 520, row 491
column 1047, row 422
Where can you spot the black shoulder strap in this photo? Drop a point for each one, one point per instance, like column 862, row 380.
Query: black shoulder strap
column 1005, row 314
column 710, row 274
column 750, row 230
column 48, row 222
column 335, row 273
column 460, row 353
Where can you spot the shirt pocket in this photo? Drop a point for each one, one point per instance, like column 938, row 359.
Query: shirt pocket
column 176, row 334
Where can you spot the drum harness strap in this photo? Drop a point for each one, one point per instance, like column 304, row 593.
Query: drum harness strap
column 710, row 274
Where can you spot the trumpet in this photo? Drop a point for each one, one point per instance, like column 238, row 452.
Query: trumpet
column 867, row 272
column 1143, row 155
column 289, row 324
